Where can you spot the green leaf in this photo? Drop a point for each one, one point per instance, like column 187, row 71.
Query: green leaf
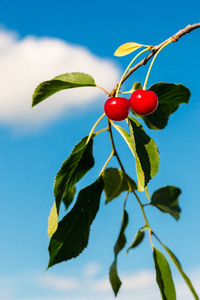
column 52, row 221
column 115, row 182
column 121, row 240
column 61, row 82
column 127, row 48
column 73, row 169
column 72, row 234
column 145, row 152
column 163, row 276
column 69, row 197
column 126, row 137
column 136, row 86
column 137, row 239
column 170, row 96
column 177, row 264
column 166, row 200
column 114, row 278
column 119, row 245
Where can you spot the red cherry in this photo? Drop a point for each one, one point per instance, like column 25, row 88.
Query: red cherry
column 117, row 108
column 144, row 102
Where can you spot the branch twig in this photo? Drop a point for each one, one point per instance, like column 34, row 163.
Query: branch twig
column 154, row 49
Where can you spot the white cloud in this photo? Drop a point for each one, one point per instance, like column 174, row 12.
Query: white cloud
column 61, row 283
column 91, row 269
column 138, row 285
column 27, row 62
column 143, row 279
column 141, row 284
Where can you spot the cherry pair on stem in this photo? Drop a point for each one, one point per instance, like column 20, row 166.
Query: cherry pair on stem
column 142, row 102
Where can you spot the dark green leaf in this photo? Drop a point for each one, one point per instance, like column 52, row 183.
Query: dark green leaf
column 121, row 241
column 163, row 276
column 166, row 200
column 177, row 264
column 115, row 182
column 73, row 169
column 68, row 198
column 137, row 239
column 72, row 234
column 146, row 153
column 114, row 278
column 61, row 82
column 119, row 245
column 170, row 96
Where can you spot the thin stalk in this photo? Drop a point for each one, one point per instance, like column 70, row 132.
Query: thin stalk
column 147, row 77
column 101, row 130
column 129, row 92
column 145, row 218
column 93, row 128
column 114, row 148
column 142, row 209
column 106, row 163
column 102, row 89
column 126, row 199
column 158, row 239
column 119, row 85
column 150, row 237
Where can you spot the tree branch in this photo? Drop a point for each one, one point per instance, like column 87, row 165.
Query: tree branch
column 154, row 49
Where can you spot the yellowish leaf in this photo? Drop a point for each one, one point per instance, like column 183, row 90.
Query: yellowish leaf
column 127, row 49
column 52, row 221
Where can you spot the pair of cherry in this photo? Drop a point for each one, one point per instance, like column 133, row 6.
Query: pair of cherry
column 142, row 102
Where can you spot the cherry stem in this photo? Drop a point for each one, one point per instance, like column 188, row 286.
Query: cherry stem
column 93, row 128
column 120, row 83
column 128, row 92
column 152, row 62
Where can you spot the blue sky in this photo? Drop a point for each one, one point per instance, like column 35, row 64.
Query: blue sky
column 42, row 39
